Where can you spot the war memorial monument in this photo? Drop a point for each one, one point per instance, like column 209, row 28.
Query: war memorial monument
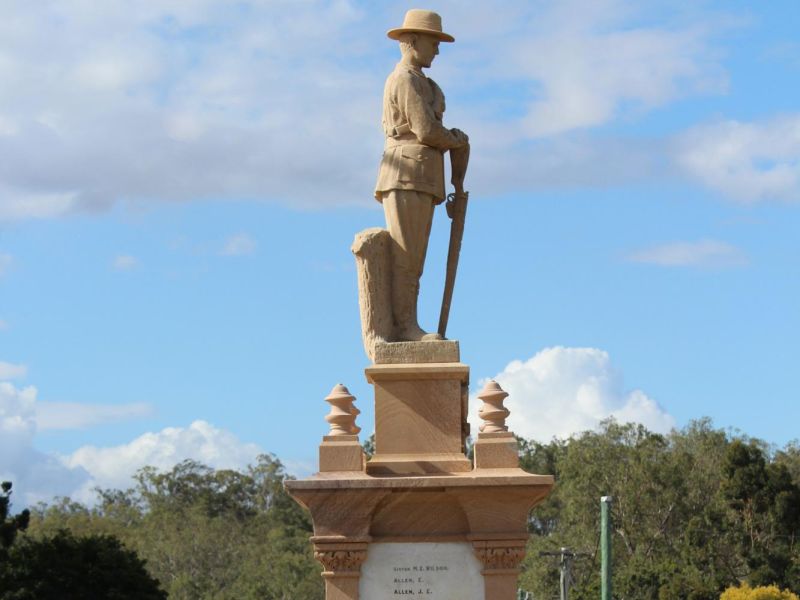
column 419, row 519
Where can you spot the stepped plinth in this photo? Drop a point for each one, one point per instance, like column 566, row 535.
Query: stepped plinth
column 420, row 518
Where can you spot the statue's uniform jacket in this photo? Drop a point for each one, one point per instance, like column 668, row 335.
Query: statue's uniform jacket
column 415, row 138
column 411, row 183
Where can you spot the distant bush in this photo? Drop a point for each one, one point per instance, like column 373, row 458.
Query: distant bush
column 65, row 567
column 769, row 592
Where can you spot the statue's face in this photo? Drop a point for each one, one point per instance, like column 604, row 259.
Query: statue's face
column 426, row 48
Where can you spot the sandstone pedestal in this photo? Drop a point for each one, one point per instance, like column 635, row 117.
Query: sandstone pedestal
column 488, row 511
column 420, row 519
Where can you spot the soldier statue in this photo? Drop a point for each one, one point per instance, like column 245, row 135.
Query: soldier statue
column 411, row 177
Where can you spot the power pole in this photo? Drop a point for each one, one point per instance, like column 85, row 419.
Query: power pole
column 566, row 575
column 605, row 547
column 566, row 559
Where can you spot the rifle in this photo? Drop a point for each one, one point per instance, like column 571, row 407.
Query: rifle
column 457, row 211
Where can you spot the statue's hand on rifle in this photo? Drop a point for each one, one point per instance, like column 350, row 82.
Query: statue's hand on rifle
column 459, row 159
column 462, row 137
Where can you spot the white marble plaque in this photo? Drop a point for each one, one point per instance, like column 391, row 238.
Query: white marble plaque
column 429, row 571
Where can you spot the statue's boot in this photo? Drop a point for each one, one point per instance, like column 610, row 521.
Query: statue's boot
column 405, row 291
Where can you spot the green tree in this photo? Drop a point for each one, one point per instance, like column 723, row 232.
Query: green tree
column 660, row 485
column 765, row 503
column 205, row 533
column 10, row 526
column 65, row 567
column 369, row 446
column 790, row 458
column 694, row 512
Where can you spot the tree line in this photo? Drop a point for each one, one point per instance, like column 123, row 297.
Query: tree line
column 695, row 512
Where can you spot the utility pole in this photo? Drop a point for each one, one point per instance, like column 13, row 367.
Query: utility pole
column 566, row 575
column 566, row 558
column 605, row 547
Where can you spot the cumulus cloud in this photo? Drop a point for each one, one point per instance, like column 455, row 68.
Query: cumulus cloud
column 592, row 60
column 17, row 411
column 7, row 127
column 125, row 262
column 75, row 415
column 114, row 466
column 129, row 104
column 239, row 245
column 19, row 202
column 747, row 161
column 36, row 476
column 704, row 253
column 11, row 371
column 562, row 391
column 40, row 476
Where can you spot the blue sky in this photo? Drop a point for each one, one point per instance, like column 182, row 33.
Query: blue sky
column 180, row 185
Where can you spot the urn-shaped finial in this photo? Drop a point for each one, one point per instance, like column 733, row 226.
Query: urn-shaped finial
column 342, row 417
column 493, row 412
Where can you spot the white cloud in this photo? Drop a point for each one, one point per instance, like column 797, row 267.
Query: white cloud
column 11, row 371
column 18, row 203
column 184, row 127
column 575, row 160
column 239, row 245
column 7, row 126
column 300, row 468
column 593, row 61
column 127, row 104
column 114, row 466
column 36, row 476
column 562, row 391
column 746, row 161
column 74, row 415
column 125, row 262
column 17, row 412
column 3, row 325
column 704, row 253
column 5, row 263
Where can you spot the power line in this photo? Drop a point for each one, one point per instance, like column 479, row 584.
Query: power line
column 566, row 559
